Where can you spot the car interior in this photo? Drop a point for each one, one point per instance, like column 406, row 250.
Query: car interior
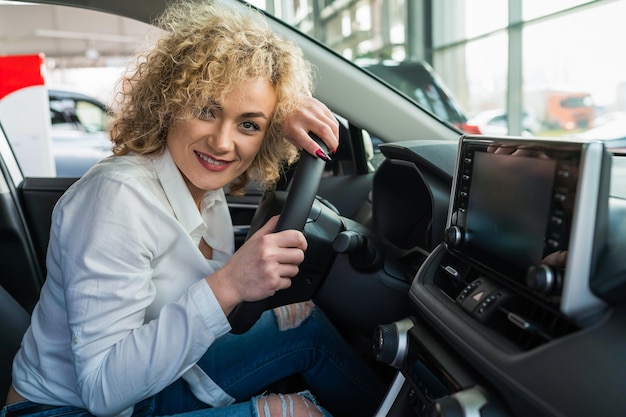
column 479, row 275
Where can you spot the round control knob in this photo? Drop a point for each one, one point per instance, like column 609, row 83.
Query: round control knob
column 390, row 342
column 544, row 279
column 453, row 236
column 385, row 343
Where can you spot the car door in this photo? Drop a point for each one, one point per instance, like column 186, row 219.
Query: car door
column 21, row 256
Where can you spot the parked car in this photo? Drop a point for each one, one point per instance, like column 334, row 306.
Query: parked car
column 441, row 257
column 419, row 81
column 495, row 122
column 611, row 128
column 69, row 128
column 569, row 110
column 79, row 131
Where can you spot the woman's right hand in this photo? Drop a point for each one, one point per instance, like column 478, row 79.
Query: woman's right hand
column 264, row 265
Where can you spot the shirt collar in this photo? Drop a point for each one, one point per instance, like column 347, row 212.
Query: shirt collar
column 213, row 207
column 177, row 193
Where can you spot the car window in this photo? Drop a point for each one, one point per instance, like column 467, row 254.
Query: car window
column 77, row 111
column 93, row 117
column 63, row 114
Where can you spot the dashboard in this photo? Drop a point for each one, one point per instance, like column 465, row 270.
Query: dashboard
column 519, row 300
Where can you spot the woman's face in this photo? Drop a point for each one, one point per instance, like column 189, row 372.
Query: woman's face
column 218, row 145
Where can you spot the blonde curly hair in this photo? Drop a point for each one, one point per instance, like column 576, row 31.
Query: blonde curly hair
column 207, row 50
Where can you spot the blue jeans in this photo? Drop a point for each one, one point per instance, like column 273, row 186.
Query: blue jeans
column 244, row 365
column 149, row 408
column 338, row 377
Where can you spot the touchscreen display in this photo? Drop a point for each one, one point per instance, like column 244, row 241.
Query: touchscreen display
column 532, row 213
column 507, row 207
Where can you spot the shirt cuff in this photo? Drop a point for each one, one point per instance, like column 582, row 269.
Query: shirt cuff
column 209, row 308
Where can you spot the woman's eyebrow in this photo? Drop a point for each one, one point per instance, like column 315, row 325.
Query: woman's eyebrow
column 215, row 104
column 255, row 114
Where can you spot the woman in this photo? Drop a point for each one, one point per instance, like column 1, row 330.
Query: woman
column 132, row 318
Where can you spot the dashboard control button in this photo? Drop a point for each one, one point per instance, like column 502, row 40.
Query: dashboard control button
column 453, row 236
column 544, row 279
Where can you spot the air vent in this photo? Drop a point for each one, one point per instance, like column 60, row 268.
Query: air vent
column 528, row 324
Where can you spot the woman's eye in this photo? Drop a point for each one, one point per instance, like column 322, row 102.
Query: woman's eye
column 205, row 113
column 251, row 126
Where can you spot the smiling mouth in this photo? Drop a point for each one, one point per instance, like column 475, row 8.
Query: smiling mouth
column 209, row 160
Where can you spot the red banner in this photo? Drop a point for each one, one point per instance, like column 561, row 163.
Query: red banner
column 20, row 71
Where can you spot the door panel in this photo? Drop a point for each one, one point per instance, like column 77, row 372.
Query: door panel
column 38, row 197
column 22, row 274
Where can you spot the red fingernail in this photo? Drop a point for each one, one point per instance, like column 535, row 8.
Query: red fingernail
column 322, row 155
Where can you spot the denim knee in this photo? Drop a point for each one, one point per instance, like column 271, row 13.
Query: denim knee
column 287, row 405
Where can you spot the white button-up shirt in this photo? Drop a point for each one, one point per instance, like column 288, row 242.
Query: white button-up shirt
column 125, row 309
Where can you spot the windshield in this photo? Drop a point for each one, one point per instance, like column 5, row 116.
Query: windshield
column 526, row 62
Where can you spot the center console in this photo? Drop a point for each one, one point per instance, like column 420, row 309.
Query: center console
column 526, row 224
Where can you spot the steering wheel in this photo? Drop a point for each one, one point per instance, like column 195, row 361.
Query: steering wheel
column 296, row 209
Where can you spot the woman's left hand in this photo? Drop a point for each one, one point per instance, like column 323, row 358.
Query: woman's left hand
column 313, row 116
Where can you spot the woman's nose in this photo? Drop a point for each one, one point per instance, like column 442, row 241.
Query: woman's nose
column 222, row 139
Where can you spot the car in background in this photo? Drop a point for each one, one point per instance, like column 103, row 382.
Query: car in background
column 495, row 122
column 79, row 130
column 419, row 81
column 569, row 110
column 611, row 128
